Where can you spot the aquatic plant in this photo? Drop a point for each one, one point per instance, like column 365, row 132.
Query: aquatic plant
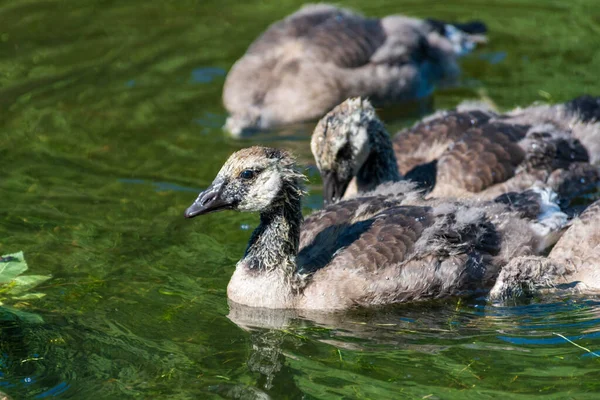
column 13, row 284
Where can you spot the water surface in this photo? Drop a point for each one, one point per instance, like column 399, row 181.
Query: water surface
column 110, row 119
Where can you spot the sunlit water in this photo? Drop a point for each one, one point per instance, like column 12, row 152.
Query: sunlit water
column 110, row 119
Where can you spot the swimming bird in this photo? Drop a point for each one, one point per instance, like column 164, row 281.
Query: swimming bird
column 366, row 251
column 573, row 264
column 463, row 152
column 305, row 64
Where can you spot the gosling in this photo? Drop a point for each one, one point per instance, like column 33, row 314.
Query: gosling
column 304, row 65
column 461, row 153
column 366, row 251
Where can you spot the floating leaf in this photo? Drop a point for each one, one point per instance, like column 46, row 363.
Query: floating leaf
column 15, row 286
column 11, row 266
column 23, row 315
column 29, row 296
column 23, row 283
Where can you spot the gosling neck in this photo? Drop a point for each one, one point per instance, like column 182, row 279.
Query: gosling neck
column 274, row 243
column 381, row 165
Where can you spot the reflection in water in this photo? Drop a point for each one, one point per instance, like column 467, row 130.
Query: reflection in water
column 291, row 353
column 396, row 326
column 265, row 356
column 432, row 329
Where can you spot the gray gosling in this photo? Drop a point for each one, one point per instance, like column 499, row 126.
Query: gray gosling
column 305, row 64
column 461, row 153
column 573, row 264
column 367, row 251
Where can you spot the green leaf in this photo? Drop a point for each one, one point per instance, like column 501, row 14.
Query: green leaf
column 11, row 269
column 24, row 316
column 24, row 283
column 29, row 296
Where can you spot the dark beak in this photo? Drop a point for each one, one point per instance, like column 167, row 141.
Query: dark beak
column 208, row 201
column 333, row 187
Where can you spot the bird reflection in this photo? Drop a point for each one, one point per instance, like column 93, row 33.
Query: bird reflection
column 272, row 330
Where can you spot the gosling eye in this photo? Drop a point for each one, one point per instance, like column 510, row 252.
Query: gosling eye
column 247, row 174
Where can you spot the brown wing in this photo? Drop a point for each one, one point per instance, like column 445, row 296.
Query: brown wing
column 426, row 141
column 388, row 239
column 483, row 156
column 552, row 156
column 294, row 26
column 327, row 34
column 407, row 253
column 326, row 231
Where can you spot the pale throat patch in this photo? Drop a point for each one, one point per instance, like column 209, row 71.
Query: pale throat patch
column 262, row 192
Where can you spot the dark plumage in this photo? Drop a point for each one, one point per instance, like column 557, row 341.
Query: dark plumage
column 367, row 251
column 460, row 153
column 315, row 58
column 587, row 107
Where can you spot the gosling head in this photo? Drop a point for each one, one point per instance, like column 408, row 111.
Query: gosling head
column 341, row 144
column 246, row 123
column 252, row 179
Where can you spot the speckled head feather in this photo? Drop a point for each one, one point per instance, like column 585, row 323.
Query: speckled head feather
column 352, row 141
column 342, row 132
column 255, row 179
column 256, row 157
column 256, row 175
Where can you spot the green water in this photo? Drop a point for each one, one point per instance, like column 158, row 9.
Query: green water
column 110, row 119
